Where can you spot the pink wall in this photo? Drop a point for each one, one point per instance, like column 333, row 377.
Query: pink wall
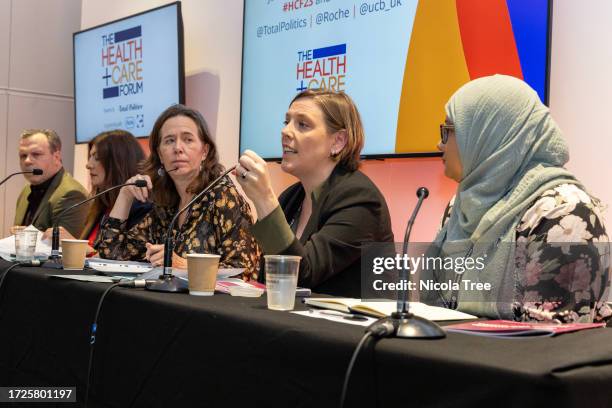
column 398, row 179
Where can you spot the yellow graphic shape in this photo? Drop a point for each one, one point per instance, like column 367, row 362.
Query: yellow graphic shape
column 435, row 69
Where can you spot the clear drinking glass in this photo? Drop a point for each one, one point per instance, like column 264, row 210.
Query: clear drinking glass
column 25, row 244
column 281, row 280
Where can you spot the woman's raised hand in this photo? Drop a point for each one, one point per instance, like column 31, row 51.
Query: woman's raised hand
column 254, row 178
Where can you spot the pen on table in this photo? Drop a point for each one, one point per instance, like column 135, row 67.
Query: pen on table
column 347, row 316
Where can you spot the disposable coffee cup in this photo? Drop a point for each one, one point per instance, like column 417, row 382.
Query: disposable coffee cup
column 25, row 244
column 281, row 280
column 202, row 273
column 73, row 253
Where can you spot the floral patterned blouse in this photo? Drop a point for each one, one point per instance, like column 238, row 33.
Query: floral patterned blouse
column 563, row 283
column 217, row 224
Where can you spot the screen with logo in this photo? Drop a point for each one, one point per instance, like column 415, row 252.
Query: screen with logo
column 127, row 72
column 400, row 61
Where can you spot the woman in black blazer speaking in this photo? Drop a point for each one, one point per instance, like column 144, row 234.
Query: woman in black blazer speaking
column 334, row 208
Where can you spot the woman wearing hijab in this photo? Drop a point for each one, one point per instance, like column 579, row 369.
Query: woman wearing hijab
column 540, row 233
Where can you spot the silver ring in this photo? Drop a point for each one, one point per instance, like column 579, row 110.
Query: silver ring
column 244, row 174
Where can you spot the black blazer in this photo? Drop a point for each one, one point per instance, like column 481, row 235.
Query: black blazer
column 348, row 210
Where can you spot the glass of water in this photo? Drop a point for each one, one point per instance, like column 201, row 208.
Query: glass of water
column 281, row 280
column 25, row 244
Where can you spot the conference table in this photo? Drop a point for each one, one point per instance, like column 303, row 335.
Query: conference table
column 174, row 350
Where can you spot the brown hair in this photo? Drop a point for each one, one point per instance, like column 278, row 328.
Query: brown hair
column 55, row 143
column 340, row 113
column 164, row 191
column 119, row 153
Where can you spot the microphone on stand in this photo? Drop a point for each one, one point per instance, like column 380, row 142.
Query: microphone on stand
column 167, row 282
column 403, row 323
column 36, row 172
column 55, row 260
column 402, row 303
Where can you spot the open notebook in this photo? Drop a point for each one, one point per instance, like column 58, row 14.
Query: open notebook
column 386, row 307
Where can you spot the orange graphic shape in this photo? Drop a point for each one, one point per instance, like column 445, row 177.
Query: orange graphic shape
column 488, row 39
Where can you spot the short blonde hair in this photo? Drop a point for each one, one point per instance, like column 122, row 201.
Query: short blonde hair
column 340, row 113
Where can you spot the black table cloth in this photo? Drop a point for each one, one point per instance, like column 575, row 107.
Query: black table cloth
column 175, row 350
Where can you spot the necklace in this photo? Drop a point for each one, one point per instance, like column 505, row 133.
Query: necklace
column 296, row 216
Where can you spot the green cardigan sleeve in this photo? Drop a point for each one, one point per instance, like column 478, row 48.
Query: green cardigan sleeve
column 346, row 218
column 273, row 233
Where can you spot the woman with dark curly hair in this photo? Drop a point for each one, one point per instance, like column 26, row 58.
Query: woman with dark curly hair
column 182, row 163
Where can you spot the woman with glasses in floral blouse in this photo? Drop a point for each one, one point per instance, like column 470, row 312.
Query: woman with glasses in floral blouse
column 546, row 249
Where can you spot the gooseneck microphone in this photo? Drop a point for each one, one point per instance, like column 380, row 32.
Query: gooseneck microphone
column 403, row 323
column 55, row 258
column 402, row 304
column 36, row 172
column 167, row 282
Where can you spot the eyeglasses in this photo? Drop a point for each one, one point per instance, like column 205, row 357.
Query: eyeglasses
column 445, row 131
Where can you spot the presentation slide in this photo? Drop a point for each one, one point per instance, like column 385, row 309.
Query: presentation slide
column 127, row 72
column 400, row 61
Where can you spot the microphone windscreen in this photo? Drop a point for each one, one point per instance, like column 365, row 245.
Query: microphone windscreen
column 422, row 192
column 37, row 172
column 140, row 183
